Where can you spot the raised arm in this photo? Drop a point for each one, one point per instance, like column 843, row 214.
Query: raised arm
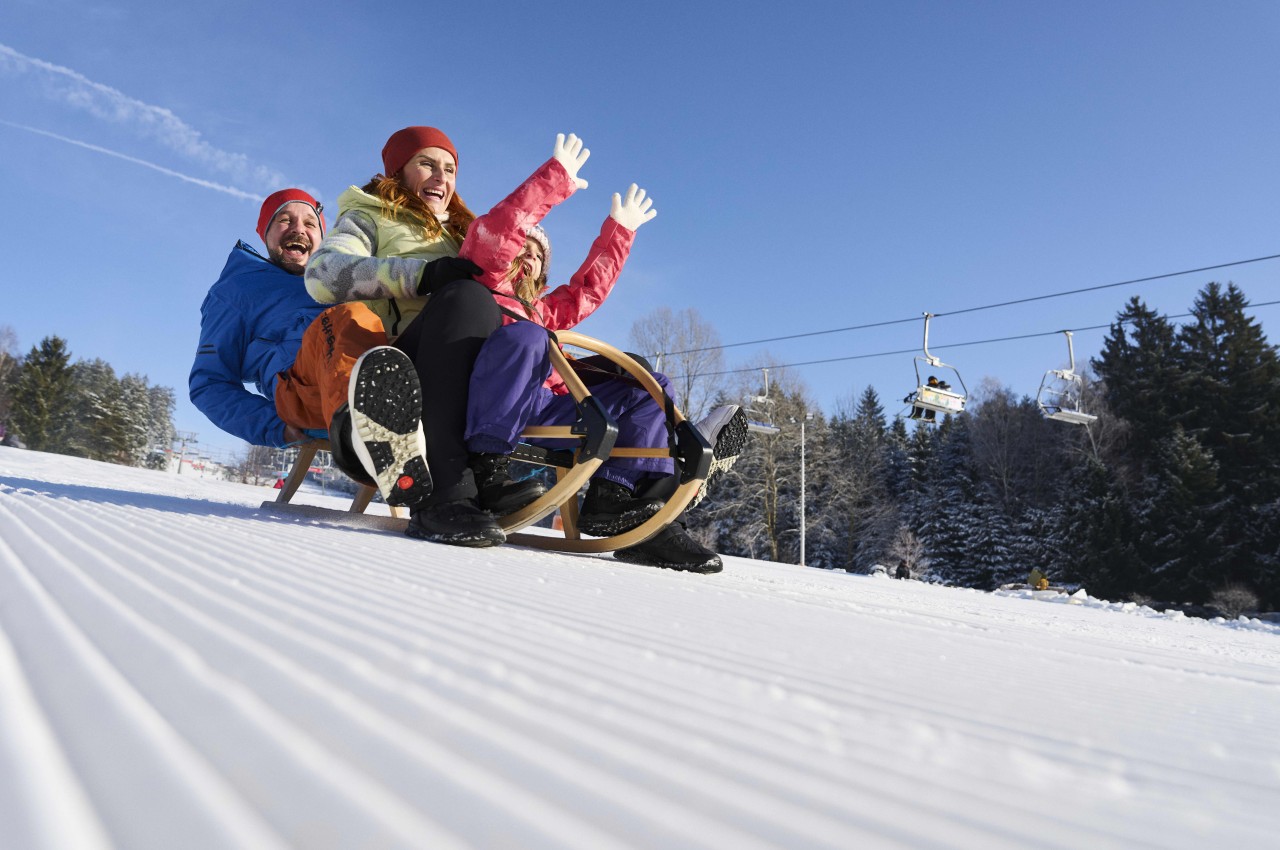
column 495, row 238
column 567, row 305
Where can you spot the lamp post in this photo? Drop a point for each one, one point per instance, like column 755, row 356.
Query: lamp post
column 803, row 419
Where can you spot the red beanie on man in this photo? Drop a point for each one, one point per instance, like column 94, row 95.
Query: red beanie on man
column 403, row 144
column 276, row 200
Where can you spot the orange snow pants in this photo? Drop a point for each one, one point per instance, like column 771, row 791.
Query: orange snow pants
column 316, row 384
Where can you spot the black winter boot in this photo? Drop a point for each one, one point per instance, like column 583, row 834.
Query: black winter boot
column 498, row 494
column 458, row 523
column 344, row 455
column 610, row 508
column 726, row 429
column 384, row 403
column 673, row 549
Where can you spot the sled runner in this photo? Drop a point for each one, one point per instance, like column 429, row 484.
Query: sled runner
column 364, row 495
column 575, row 453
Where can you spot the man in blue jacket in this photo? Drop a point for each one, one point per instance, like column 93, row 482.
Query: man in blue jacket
column 251, row 328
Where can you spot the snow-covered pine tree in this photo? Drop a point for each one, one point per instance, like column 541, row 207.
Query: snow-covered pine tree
column 102, row 423
column 1097, row 535
column 44, row 397
column 1140, row 370
column 1182, row 520
column 160, row 432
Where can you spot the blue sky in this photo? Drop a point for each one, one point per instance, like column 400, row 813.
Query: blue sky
column 815, row 166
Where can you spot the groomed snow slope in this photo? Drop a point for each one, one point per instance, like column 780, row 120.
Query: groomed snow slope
column 179, row 669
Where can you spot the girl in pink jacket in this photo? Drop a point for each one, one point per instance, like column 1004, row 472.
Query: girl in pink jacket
column 512, row 385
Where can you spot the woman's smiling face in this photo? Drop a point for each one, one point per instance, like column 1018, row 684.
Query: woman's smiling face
column 431, row 174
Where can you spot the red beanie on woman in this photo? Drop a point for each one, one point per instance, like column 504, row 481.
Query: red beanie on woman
column 403, row 144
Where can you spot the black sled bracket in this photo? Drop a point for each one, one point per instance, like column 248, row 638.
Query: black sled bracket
column 597, row 426
column 693, row 453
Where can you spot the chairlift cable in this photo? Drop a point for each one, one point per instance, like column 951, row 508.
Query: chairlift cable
column 941, row 347
column 1029, row 299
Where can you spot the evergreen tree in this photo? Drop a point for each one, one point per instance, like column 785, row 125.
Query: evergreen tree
column 1096, row 538
column 100, row 428
column 1232, row 392
column 135, row 401
column 44, row 397
column 1183, row 524
column 950, row 512
column 160, row 432
column 1140, row 371
column 1036, row 542
column 1264, row 530
column 864, row 518
column 10, row 367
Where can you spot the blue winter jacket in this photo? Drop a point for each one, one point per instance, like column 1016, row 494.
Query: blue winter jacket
column 251, row 326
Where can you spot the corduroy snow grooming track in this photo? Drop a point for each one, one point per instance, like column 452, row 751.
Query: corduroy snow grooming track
column 385, row 401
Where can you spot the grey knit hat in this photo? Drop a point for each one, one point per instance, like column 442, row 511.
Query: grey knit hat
column 537, row 234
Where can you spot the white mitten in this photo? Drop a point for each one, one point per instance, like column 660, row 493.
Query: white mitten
column 571, row 154
column 632, row 211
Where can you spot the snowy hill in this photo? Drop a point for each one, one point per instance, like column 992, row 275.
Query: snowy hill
column 179, row 669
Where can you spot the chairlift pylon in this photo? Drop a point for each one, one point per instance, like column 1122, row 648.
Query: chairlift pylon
column 1061, row 390
column 933, row 395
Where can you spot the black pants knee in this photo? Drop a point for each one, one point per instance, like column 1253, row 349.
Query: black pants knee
column 443, row 342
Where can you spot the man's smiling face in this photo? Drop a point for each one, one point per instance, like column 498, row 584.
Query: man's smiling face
column 292, row 235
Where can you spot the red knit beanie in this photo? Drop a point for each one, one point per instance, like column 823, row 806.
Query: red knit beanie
column 276, row 200
column 403, row 144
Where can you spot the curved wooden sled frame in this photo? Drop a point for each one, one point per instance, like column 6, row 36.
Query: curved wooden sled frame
column 692, row 457
column 596, row 435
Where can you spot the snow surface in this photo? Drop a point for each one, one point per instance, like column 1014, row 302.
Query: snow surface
column 181, row 669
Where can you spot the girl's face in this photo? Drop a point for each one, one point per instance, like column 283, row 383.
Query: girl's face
column 530, row 260
column 431, row 174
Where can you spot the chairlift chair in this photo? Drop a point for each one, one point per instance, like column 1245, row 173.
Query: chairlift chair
column 578, row 451
column 936, row 399
column 1060, row 392
column 759, row 410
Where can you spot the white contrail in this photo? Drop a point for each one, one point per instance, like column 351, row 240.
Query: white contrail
column 155, row 122
column 230, row 190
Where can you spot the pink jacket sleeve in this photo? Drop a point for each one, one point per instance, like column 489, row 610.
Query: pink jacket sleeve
column 567, row 305
column 495, row 238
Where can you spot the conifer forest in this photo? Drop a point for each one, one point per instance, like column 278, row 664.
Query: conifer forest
column 1171, row 495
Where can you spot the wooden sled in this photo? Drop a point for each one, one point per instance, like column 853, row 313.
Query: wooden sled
column 591, row 440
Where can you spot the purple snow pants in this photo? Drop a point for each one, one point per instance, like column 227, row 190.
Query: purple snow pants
column 507, row 394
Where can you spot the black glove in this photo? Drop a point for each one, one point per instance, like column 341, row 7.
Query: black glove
column 437, row 273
